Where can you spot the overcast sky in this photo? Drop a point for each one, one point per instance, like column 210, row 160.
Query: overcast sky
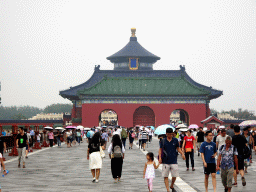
column 49, row 45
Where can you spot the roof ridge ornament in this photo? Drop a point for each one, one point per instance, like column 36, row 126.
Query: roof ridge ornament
column 133, row 32
column 182, row 68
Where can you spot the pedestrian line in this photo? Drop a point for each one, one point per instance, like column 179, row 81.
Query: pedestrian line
column 30, row 153
column 179, row 182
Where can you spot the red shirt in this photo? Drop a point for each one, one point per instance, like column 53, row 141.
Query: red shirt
column 189, row 141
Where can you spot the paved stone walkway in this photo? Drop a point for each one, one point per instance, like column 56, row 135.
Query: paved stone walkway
column 66, row 169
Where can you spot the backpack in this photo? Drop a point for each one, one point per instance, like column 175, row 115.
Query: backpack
column 246, row 152
column 124, row 134
column 117, row 152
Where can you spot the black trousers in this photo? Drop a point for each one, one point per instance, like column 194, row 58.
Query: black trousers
column 116, row 167
column 191, row 154
column 51, row 142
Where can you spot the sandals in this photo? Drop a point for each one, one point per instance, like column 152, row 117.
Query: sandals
column 24, row 166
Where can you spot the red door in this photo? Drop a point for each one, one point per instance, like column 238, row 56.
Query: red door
column 144, row 116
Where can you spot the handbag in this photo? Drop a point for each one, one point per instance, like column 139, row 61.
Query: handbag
column 188, row 150
column 102, row 154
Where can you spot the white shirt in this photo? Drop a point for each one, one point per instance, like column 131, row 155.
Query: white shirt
column 110, row 148
column 38, row 137
column 221, row 140
column 116, row 133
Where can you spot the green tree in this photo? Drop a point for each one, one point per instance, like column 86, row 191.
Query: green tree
column 58, row 108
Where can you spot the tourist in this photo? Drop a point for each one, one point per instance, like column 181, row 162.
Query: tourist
column 38, row 137
column 149, row 170
column 51, row 137
column 21, row 142
column 249, row 142
column 227, row 156
column 69, row 138
column 140, row 139
column 181, row 138
column 115, row 132
column 150, row 134
column 254, row 141
column 116, row 154
column 58, row 138
column 131, row 137
column 32, row 134
column 208, row 152
column 2, row 146
column 144, row 138
column 199, row 139
column 2, row 165
column 94, row 157
column 189, row 146
column 9, row 133
column 168, row 157
column 239, row 141
column 3, row 133
column 104, row 137
column 221, row 139
column 124, row 136
column 78, row 136
column 215, row 137
column 231, row 132
column 73, row 137
column 27, row 146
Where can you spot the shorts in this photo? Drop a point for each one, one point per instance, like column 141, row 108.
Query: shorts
column 170, row 167
column 143, row 141
column 211, row 168
column 26, row 147
column 240, row 163
column 131, row 140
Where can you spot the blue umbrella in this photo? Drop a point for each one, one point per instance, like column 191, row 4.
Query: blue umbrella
column 160, row 130
column 152, row 127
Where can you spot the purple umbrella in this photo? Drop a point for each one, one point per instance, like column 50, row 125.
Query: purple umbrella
column 71, row 127
column 193, row 126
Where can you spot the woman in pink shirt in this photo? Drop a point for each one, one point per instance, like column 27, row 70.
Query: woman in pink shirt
column 51, row 137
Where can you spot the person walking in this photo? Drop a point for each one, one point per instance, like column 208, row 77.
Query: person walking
column 221, row 139
column 27, row 146
column 21, row 142
column 208, row 152
column 94, row 157
column 144, row 138
column 249, row 142
column 131, row 135
column 78, row 136
column 51, row 137
column 149, row 170
column 116, row 154
column 199, row 139
column 150, row 134
column 124, row 136
column 188, row 147
column 168, row 157
column 239, row 141
column 2, row 165
column 231, row 132
column 104, row 137
column 58, row 138
column 226, row 160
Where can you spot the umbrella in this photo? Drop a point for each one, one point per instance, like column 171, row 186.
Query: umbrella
column 104, row 126
column 48, row 127
column 71, row 127
column 222, row 127
column 87, row 128
column 161, row 130
column 183, row 129
column 80, row 127
column 251, row 123
column 181, row 126
column 59, row 128
column 193, row 126
column 152, row 127
column 205, row 129
column 98, row 127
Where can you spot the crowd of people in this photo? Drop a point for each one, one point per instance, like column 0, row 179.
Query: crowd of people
column 226, row 150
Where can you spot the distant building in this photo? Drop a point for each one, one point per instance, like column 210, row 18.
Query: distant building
column 48, row 116
column 225, row 116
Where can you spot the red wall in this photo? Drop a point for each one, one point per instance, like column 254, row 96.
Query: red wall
column 91, row 113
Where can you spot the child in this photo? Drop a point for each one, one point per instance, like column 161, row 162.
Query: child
column 149, row 170
column 2, row 163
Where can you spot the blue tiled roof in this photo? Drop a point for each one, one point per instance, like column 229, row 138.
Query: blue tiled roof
column 233, row 121
column 133, row 49
column 98, row 75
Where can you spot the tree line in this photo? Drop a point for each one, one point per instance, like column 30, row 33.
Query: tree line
column 25, row 112
column 240, row 114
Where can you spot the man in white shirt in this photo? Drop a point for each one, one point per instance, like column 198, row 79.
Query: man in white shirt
column 116, row 132
column 221, row 139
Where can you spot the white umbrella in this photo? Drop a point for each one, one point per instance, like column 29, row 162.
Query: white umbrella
column 79, row 127
column 87, row 128
column 98, row 127
column 48, row 127
column 183, row 129
column 205, row 129
column 222, row 127
column 59, row 128
column 181, row 126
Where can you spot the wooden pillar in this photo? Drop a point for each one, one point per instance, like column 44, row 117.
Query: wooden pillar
column 37, row 145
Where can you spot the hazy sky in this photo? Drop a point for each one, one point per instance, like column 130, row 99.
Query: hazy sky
column 49, row 45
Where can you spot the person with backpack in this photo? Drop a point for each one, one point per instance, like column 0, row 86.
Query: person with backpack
column 124, row 136
column 116, row 154
column 94, row 156
column 132, row 135
column 240, row 142
column 226, row 160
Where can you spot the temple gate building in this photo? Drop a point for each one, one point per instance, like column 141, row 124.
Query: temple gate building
column 137, row 94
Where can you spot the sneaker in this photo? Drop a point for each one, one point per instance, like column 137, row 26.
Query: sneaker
column 96, row 181
column 187, row 169
column 193, row 169
column 93, row 180
column 173, row 190
column 243, row 181
column 235, row 184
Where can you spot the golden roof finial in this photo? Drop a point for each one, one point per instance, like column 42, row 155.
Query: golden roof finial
column 133, row 32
